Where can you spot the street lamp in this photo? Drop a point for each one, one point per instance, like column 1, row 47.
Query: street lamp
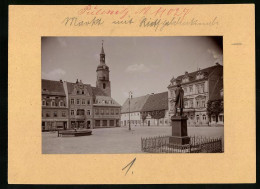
column 130, row 96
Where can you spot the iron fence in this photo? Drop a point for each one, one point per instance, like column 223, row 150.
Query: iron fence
column 198, row 144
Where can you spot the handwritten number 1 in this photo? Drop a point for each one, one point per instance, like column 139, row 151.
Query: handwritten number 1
column 129, row 165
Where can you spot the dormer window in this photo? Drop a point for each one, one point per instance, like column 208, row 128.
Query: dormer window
column 199, row 75
column 185, row 79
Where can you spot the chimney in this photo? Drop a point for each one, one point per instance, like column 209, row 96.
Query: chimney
column 60, row 80
column 186, row 73
column 77, row 81
column 217, row 64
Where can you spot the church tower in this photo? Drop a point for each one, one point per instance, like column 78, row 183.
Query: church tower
column 103, row 74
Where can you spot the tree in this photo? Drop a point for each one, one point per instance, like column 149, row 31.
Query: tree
column 214, row 107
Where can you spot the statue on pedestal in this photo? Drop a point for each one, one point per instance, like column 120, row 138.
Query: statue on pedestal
column 179, row 100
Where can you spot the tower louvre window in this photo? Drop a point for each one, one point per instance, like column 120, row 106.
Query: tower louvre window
column 104, row 85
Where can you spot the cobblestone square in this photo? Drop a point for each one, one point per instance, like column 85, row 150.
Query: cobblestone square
column 114, row 140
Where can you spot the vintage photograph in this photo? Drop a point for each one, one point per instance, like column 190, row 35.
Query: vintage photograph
column 121, row 95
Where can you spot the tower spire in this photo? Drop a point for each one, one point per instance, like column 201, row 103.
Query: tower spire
column 102, row 49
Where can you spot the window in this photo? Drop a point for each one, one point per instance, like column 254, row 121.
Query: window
column 78, row 92
column 72, row 101
column 107, row 111
column 47, row 114
column 61, row 103
column 78, row 102
column 83, row 101
column 204, row 117
column 71, row 112
column 80, row 112
column 198, row 118
column 117, row 112
column 55, row 114
column 96, row 112
column 191, row 89
column 186, row 104
column 63, row 114
column 88, row 112
column 44, row 102
column 112, row 112
column 203, row 103
column 191, row 103
column 191, row 117
column 53, row 103
column 88, row 101
column 102, row 112
column 185, row 90
column 104, row 85
column 83, row 92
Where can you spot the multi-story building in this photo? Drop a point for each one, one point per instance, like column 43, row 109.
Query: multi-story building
column 199, row 87
column 54, row 106
column 148, row 110
column 80, row 100
column 69, row 105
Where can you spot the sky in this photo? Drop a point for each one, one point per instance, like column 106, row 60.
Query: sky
column 143, row 65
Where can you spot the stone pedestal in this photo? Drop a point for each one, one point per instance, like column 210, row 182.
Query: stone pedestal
column 179, row 130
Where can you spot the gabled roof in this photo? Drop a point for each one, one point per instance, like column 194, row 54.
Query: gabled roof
column 70, row 87
column 136, row 104
column 52, row 87
column 157, row 101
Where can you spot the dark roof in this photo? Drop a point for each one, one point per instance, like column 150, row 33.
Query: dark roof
column 157, row 101
column 98, row 92
column 136, row 104
column 52, row 87
column 206, row 71
column 145, row 103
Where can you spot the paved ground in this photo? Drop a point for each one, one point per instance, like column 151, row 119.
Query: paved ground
column 114, row 140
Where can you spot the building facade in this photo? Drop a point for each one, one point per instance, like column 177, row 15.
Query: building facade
column 54, row 106
column 67, row 105
column 199, row 87
column 80, row 105
column 148, row 110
